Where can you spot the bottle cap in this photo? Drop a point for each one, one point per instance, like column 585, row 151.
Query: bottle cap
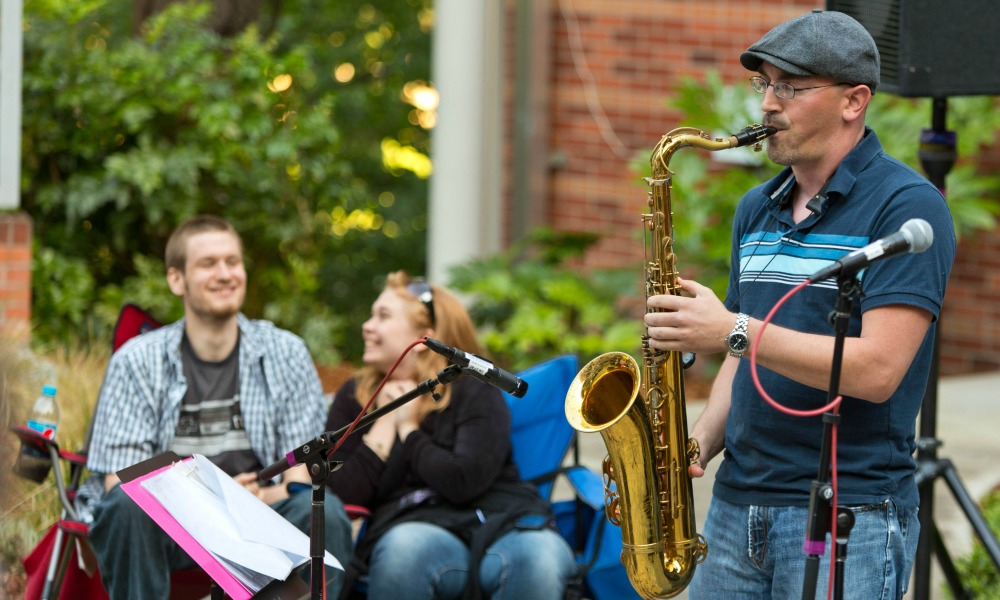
column 49, row 390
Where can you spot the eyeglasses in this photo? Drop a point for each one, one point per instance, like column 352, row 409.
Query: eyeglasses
column 423, row 292
column 782, row 89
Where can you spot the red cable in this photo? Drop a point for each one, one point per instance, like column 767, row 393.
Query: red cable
column 833, row 406
column 378, row 389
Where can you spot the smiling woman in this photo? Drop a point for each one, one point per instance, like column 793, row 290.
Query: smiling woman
column 437, row 472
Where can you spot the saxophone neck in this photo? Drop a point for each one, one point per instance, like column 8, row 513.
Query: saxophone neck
column 678, row 138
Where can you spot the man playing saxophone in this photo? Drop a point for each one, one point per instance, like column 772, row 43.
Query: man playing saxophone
column 838, row 192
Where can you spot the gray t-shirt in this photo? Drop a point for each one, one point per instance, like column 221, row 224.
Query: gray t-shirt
column 210, row 422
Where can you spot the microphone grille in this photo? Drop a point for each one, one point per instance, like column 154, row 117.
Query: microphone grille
column 920, row 234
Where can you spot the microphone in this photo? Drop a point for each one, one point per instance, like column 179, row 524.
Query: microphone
column 481, row 369
column 914, row 236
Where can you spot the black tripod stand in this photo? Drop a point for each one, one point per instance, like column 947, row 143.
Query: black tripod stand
column 937, row 155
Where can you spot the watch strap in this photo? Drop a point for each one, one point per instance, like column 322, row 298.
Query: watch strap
column 739, row 331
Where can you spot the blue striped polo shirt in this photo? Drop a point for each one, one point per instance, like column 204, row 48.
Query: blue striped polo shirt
column 771, row 458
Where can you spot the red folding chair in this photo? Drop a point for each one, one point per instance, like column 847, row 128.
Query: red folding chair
column 62, row 566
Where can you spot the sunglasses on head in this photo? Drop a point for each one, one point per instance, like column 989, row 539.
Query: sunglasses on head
column 423, row 292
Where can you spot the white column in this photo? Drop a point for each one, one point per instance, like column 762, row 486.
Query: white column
column 465, row 187
column 11, row 14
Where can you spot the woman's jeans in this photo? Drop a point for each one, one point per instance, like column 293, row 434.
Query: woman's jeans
column 756, row 552
column 136, row 557
column 418, row 560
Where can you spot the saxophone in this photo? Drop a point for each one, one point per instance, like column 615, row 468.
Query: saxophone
column 646, row 482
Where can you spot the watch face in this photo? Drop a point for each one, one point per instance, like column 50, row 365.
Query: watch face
column 738, row 342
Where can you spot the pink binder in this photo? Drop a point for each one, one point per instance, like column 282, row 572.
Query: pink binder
column 132, row 478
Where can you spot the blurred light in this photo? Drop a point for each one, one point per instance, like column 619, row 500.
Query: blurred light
column 391, row 229
column 344, row 72
column 280, row 83
column 426, row 19
column 375, row 39
column 343, row 222
column 336, row 39
column 421, row 95
column 425, row 99
column 396, row 156
column 427, row 119
column 386, row 199
column 377, row 68
column 367, row 13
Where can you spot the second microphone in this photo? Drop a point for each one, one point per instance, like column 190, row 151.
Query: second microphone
column 481, row 369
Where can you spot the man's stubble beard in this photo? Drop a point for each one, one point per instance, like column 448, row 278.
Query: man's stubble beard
column 213, row 316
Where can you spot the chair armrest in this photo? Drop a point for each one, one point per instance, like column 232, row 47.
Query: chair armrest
column 74, row 458
column 588, row 485
column 32, row 437
column 355, row 511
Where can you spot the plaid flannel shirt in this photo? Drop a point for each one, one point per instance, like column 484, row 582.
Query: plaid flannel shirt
column 139, row 405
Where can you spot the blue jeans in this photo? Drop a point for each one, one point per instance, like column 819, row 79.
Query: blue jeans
column 136, row 557
column 418, row 560
column 755, row 552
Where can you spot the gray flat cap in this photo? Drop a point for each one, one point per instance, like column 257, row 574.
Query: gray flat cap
column 825, row 43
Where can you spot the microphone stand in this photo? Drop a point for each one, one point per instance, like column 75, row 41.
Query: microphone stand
column 821, row 491
column 313, row 454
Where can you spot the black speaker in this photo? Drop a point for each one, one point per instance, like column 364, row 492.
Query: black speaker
column 933, row 48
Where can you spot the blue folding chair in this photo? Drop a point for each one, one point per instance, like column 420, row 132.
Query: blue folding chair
column 542, row 439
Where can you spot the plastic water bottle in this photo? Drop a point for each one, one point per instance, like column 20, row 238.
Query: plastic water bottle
column 33, row 462
column 44, row 415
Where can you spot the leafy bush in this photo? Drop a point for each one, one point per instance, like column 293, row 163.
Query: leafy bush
column 127, row 135
column 530, row 303
column 977, row 572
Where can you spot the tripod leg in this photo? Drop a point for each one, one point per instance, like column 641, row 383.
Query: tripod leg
column 971, row 509
column 926, row 543
column 948, row 566
column 929, row 534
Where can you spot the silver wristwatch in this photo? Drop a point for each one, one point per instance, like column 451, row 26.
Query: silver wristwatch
column 737, row 341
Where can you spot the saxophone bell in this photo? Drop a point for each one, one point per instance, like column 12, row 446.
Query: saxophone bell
column 640, row 412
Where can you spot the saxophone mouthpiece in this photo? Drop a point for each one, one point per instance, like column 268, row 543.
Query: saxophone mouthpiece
column 752, row 135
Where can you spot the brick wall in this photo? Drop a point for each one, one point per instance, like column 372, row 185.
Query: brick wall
column 15, row 273
column 633, row 53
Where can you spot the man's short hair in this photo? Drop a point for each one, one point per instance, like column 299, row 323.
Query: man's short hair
column 175, row 255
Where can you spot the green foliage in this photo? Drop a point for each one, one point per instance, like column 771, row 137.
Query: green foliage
column 977, row 572
column 124, row 137
column 972, row 195
column 68, row 296
column 382, row 226
column 531, row 302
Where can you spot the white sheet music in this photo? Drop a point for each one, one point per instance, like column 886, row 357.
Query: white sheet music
column 230, row 522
